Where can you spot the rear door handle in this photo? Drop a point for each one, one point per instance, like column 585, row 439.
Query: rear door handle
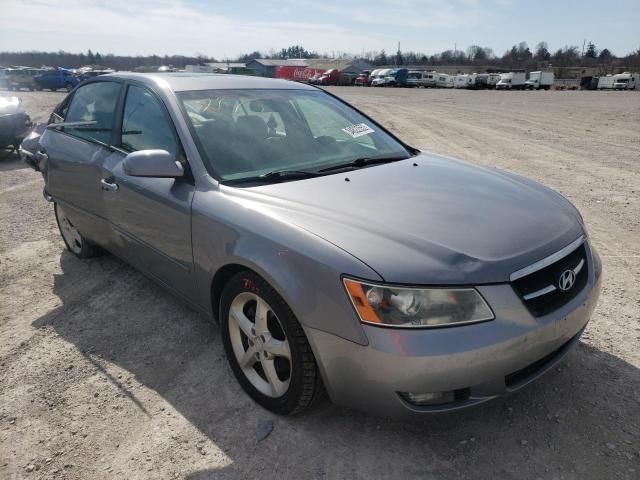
column 108, row 186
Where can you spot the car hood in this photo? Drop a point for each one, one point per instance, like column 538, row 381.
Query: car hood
column 428, row 219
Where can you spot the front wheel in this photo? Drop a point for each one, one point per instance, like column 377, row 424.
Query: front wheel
column 73, row 239
column 266, row 347
column 68, row 87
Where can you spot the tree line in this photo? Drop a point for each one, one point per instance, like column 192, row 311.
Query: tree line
column 519, row 56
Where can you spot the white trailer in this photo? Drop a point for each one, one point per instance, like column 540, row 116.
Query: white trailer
column 444, row 81
column 428, row 79
column 460, row 80
column 626, row 81
column 539, row 81
column 605, row 83
column 511, row 81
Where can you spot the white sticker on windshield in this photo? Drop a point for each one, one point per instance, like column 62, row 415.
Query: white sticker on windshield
column 358, row 130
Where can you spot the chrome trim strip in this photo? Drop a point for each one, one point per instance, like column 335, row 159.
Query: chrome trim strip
column 545, row 262
column 579, row 267
column 539, row 293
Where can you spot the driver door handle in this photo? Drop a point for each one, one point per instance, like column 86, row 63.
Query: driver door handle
column 108, row 186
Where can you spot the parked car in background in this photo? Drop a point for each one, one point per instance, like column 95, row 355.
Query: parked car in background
column 57, row 79
column 19, row 78
column 512, row 81
column 493, row 80
column 244, row 196
column 428, row 79
column 362, row 80
column 626, row 81
column 15, row 123
column 539, row 81
column 30, row 151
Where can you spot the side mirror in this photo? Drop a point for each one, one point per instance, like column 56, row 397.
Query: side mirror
column 152, row 163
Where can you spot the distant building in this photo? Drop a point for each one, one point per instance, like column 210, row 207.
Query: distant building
column 267, row 67
column 220, row 67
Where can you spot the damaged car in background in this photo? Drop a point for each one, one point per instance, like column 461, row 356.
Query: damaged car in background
column 15, row 124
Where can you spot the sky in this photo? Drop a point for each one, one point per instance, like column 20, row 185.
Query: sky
column 224, row 29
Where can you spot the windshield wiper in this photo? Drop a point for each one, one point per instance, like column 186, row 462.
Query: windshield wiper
column 276, row 176
column 288, row 174
column 362, row 162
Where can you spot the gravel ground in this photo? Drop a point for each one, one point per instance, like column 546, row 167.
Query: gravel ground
column 105, row 375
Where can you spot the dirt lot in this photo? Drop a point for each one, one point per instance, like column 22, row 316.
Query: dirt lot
column 104, row 375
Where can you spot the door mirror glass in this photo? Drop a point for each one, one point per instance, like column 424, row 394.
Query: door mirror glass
column 152, row 163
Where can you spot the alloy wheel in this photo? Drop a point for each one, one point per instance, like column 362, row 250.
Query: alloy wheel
column 260, row 344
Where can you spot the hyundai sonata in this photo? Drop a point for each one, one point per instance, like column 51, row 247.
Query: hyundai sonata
column 333, row 255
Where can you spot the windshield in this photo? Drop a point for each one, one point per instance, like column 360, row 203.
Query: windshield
column 247, row 133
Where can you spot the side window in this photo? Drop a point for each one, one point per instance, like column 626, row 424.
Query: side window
column 144, row 123
column 95, row 102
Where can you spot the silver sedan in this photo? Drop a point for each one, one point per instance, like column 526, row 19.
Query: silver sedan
column 333, row 255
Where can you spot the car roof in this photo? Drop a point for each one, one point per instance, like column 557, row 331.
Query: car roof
column 184, row 81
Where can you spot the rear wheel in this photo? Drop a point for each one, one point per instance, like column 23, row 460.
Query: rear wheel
column 73, row 239
column 266, row 346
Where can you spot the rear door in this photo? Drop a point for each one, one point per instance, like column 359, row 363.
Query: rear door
column 151, row 217
column 76, row 156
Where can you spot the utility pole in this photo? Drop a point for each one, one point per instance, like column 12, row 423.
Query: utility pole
column 583, row 43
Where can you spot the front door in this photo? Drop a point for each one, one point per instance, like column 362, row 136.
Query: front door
column 151, row 217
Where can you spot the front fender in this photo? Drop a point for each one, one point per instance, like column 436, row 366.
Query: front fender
column 304, row 268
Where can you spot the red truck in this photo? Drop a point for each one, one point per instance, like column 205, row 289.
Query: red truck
column 330, row 77
column 362, row 80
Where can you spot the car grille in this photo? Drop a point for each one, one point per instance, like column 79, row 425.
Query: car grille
column 541, row 290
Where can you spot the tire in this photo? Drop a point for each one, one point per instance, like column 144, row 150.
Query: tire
column 68, row 87
column 73, row 239
column 297, row 383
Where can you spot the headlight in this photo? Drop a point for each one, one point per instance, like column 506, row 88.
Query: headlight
column 416, row 307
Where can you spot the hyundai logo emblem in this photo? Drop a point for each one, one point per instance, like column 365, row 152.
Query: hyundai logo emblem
column 566, row 281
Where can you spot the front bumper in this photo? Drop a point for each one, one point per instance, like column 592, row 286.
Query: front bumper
column 480, row 361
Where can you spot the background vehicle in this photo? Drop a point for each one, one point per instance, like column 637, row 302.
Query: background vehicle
column 15, row 123
column 414, row 78
column 606, row 82
column 511, row 81
column 428, row 79
column 57, row 79
column 397, row 77
column 539, row 81
column 589, row 83
column 374, row 74
column 464, row 80
column 18, row 78
column 330, row 77
column 444, row 81
column 362, row 79
column 379, row 79
column 626, row 81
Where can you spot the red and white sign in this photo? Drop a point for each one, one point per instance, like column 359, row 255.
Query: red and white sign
column 299, row 74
